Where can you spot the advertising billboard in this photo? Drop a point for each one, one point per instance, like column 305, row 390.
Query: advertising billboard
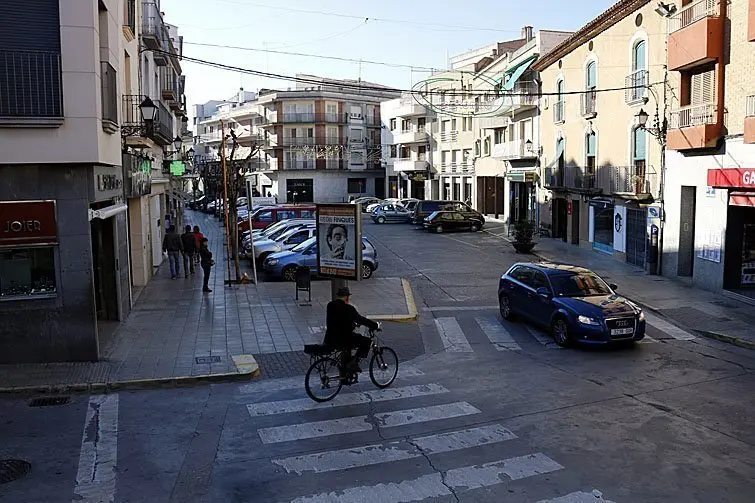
column 339, row 240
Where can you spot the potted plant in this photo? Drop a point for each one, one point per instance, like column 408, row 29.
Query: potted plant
column 523, row 232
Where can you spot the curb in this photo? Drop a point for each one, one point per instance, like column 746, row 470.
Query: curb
column 729, row 339
column 135, row 384
column 411, row 307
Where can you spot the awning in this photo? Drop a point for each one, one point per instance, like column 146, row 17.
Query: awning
column 742, row 199
column 517, row 72
column 521, row 174
column 107, row 212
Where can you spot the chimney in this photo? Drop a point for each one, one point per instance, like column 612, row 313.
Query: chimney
column 527, row 33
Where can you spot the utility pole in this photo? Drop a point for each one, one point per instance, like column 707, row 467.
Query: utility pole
column 225, row 204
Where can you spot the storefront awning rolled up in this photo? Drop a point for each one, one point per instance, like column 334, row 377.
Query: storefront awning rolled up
column 107, row 212
column 742, row 199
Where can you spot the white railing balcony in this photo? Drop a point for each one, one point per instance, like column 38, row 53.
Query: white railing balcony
column 588, row 103
column 213, row 137
column 409, row 164
column 449, row 136
column 524, row 94
column 558, row 112
column 516, row 149
column 750, row 106
column 693, row 115
column 409, row 108
column 274, row 164
column 271, row 117
column 636, row 84
column 692, row 12
column 409, row 136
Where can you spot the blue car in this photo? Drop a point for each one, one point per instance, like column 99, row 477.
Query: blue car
column 573, row 303
column 390, row 213
column 284, row 264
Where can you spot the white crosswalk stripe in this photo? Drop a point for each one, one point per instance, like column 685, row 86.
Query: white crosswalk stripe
column 541, row 337
column 453, row 338
column 668, row 328
column 424, row 414
column 314, row 429
column 497, row 333
column 593, row 496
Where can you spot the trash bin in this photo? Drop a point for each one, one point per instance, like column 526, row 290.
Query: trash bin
column 303, row 282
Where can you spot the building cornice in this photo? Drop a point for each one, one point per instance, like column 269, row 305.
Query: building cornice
column 608, row 18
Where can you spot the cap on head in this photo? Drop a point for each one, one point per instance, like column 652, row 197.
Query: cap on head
column 344, row 292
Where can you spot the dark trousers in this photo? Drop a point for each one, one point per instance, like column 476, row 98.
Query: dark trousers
column 362, row 345
column 206, row 270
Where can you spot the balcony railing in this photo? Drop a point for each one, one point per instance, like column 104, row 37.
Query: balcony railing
column 516, row 149
column 161, row 129
column 636, row 84
column 168, row 84
column 558, row 112
column 296, row 141
column 30, row 85
column 693, row 115
column 691, row 13
column 449, row 136
column 524, row 94
column 750, row 106
column 457, row 168
column 372, row 121
column 298, row 117
column 307, row 164
column 588, row 103
column 109, row 101
column 635, row 180
column 153, row 26
column 331, row 118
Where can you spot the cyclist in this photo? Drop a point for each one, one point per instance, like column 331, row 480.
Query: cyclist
column 340, row 321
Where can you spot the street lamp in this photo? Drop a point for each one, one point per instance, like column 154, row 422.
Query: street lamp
column 148, row 109
column 528, row 145
column 642, row 118
column 177, row 142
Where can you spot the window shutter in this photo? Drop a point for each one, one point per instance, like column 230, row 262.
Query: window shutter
column 591, row 145
column 639, row 56
column 702, row 88
column 639, row 147
column 591, row 76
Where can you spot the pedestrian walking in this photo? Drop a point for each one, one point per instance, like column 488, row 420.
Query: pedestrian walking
column 198, row 239
column 172, row 246
column 189, row 245
column 207, row 262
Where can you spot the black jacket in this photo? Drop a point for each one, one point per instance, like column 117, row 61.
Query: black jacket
column 172, row 242
column 205, row 256
column 341, row 319
column 189, row 242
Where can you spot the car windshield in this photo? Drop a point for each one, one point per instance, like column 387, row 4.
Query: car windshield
column 582, row 284
column 304, row 245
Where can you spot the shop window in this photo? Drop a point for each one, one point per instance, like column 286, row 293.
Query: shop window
column 27, row 272
column 604, row 224
column 357, row 185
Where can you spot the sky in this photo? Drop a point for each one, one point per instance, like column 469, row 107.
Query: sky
column 418, row 33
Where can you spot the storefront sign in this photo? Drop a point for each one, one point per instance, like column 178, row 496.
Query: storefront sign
column 27, row 223
column 339, row 241
column 108, row 183
column 734, row 177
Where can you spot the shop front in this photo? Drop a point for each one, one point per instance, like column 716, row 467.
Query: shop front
column 522, row 198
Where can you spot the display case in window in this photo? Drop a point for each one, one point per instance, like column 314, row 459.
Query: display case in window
column 27, row 272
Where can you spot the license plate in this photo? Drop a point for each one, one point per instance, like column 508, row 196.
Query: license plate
column 622, row 331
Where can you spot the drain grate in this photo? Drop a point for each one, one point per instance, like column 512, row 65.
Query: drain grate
column 13, row 469
column 48, row 401
column 207, row 359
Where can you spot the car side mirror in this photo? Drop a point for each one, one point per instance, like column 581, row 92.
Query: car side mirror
column 613, row 286
column 543, row 292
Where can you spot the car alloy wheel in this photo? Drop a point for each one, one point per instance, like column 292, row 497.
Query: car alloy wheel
column 474, row 228
column 366, row 271
column 438, row 229
column 289, row 274
column 381, row 220
column 504, row 307
column 561, row 332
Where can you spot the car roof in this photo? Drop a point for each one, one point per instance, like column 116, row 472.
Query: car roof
column 554, row 267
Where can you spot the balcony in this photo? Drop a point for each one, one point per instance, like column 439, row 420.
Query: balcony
column 332, row 118
column 169, row 85
column 696, row 34
column 159, row 130
column 588, row 102
column 636, row 84
column 372, row 121
column 524, row 95
column 449, row 136
column 153, row 27
column 558, row 112
column 334, row 164
column 454, row 168
column 631, row 182
column 516, row 149
column 296, row 141
column 694, row 126
column 750, row 119
column 298, row 117
column 299, row 165
column 408, row 164
column 410, row 136
column 31, row 89
column 408, row 107
column 109, row 98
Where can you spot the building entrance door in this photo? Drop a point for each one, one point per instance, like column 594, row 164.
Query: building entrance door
column 686, row 262
column 636, row 238
column 103, row 265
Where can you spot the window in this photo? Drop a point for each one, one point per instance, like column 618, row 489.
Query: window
column 405, row 152
column 298, row 238
column 406, row 125
column 264, row 216
column 453, row 124
column 540, row 281
column 589, row 98
column 27, row 272
column 308, row 213
column 285, row 214
column 486, row 146
column 477, row 148
column 445, row 126
column 357, row 185
column 579, row 285
column 638, row 56
column 499, row 136
column 422, row 153
column 394, row 151
column 591, row 77
column 558, row 107
column 523, row 275
column 603, row 224
column 421, row 122
column 639, row 154
column 590, row 149
column 393, row 124
column 444, row 157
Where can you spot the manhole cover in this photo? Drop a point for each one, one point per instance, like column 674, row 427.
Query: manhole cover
column 13, row 469
column 48, row 401
column 207, row 359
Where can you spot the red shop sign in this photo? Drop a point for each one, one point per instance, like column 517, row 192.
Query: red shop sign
column 735, row 177
column 28, row 223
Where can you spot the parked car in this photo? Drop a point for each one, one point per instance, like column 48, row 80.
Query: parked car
column 443, row 221
column 373, row 206
column 423, row 209
column 274, row 234
column 285, row 241
column 365, row 201
column 390, row 213
column 198, row 202
column 284, row 264
column 283, row 224
column 573, row 303
column 269, row 214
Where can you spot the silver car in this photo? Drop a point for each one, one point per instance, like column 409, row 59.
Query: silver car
column 285, row 241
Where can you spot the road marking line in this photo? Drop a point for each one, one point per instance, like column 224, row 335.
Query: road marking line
column 668, row 328
column 594, row 496
column 288, row 383
column 424, row 414
column 497, row 334
column 314, row 429
column 462, row 242
column 459, row 308
column 304, row 404
column 542, row 337
column 647, row 339
column 96, row 476
column 343, row 459
column 452, row 336
column 436, row 485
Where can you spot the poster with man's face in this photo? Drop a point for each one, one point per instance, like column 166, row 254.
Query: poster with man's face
column 338, row 232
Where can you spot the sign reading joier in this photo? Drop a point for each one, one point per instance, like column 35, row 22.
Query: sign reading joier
column 339, row 238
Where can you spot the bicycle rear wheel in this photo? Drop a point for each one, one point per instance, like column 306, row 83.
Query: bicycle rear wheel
column 323, row 380
column 383, row 367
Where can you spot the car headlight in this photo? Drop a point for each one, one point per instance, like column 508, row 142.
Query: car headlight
column 586, row 320
column 642, row 316
column 272, row 261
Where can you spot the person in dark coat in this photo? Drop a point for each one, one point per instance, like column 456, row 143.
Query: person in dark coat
column 172, row 245
column 341, row 319
column 189, row 242
column 206, row 261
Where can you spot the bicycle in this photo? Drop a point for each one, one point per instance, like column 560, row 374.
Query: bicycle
column 327, row 368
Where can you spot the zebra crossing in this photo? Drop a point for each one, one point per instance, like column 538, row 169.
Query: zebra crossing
column 455, row 450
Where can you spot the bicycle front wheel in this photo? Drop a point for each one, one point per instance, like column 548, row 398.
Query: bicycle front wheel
column 323, row 380
column 383, row 367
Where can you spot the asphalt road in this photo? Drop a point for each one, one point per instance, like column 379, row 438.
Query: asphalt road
column 493, row 412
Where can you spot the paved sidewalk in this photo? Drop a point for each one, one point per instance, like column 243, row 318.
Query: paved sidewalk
column 176, row 335
column 707, row 313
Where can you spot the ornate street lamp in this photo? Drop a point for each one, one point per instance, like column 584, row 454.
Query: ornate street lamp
column 148, row 109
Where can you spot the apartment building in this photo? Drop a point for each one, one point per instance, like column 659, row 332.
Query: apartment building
column 708, row 235
column 600, row 168
column 323, row 140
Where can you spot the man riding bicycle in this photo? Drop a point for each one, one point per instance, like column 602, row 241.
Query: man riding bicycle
column 341, row 319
